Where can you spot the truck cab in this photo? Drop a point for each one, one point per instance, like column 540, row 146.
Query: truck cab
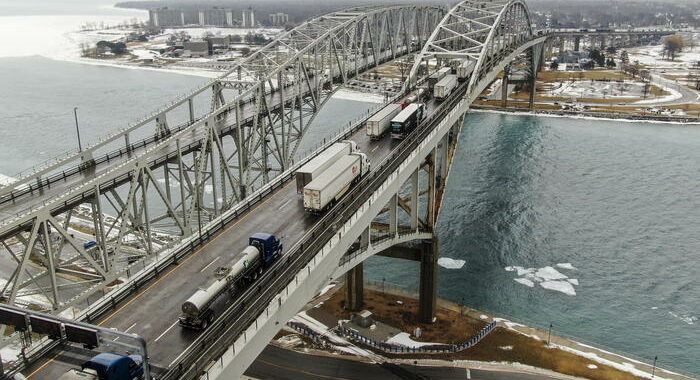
column 269, row 246
column 108, row 366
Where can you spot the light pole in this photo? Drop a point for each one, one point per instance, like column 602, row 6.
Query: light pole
column 653, row 368
column 77, row 129
column 549, row 335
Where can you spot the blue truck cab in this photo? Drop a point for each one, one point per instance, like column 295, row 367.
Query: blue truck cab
column 108, row 366
column 269, row 246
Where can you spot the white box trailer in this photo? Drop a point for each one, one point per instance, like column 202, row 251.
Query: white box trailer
column 465, row 69
column 379, row 123
column 333, row 183
column 318, row 164
column 444, row 88
column 437, row 76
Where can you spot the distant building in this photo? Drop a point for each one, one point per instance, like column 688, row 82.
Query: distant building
column 248, row 18
column 219, row 44
column 279, row 19
column 196, row 48
column 215, row 17
column 166, row 17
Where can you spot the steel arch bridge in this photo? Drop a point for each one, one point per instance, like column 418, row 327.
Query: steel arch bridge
column 192, row 160
column 493, row 33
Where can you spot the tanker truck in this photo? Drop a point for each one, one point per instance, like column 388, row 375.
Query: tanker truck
column 262, row 251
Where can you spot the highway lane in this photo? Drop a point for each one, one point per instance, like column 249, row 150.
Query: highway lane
column 281, row 364
column 153, row 312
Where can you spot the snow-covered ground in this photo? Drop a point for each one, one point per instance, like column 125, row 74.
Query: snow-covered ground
column 597, row 90
column 653, row 55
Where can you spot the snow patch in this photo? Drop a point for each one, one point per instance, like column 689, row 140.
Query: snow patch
column 366, row 97
column 404, row 339
column 449, row 263
column 506, row 348
column 592, row 366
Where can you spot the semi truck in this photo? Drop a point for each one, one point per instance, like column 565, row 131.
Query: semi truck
column 437, row 76
column 108, row 366
column 444, row 87
column 318, row 164
column 465, row 70
column 324, row 191
column 407, row 120
column 414, row 97
column 379, row 123
column 262, row 251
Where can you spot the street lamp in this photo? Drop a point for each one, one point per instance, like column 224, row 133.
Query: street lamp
column 77, row 129
column 653, row 368
column 549, row 335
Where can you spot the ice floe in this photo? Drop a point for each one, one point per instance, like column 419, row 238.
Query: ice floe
column 525, row 282
column 559, row 286
column 547, row 277
column 449, row 263
column 566, row 266
column 689, row 319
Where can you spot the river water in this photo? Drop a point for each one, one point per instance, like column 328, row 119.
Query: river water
column 588, row 225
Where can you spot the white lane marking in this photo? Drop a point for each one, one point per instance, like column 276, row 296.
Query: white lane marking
column 284, row 204
column 126, row 331
column 375, row 148
column 208, row 265
column 166, row 331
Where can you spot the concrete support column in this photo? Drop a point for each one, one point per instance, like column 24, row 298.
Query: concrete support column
column 414, row 200
column 504, row 90
column 428, row 280
column 393, row 215
column 354, row 287
column 577, row 43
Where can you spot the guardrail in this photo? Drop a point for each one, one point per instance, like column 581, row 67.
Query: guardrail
column 431, row 349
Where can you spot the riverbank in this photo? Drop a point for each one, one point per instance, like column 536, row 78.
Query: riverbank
column 587, row 115
column 511, row 346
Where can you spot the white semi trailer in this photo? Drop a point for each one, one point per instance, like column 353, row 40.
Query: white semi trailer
column 445, row 86
column 437, row 76
column 379, row 123
column 333, row 183
column 465, row 69
column 318, row 164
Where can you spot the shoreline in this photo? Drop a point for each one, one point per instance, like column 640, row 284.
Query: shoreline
column 581, row 116
column 604, row 359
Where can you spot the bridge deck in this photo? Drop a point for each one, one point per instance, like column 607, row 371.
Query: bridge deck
column 152, row 313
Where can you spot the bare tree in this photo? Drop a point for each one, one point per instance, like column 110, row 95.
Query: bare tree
column 673, row 45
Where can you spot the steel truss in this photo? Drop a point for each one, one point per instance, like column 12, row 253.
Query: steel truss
column 191, row 165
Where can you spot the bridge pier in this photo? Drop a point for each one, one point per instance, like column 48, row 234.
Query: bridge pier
column 354, row 288
column 577, row 43
column 427, row 294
